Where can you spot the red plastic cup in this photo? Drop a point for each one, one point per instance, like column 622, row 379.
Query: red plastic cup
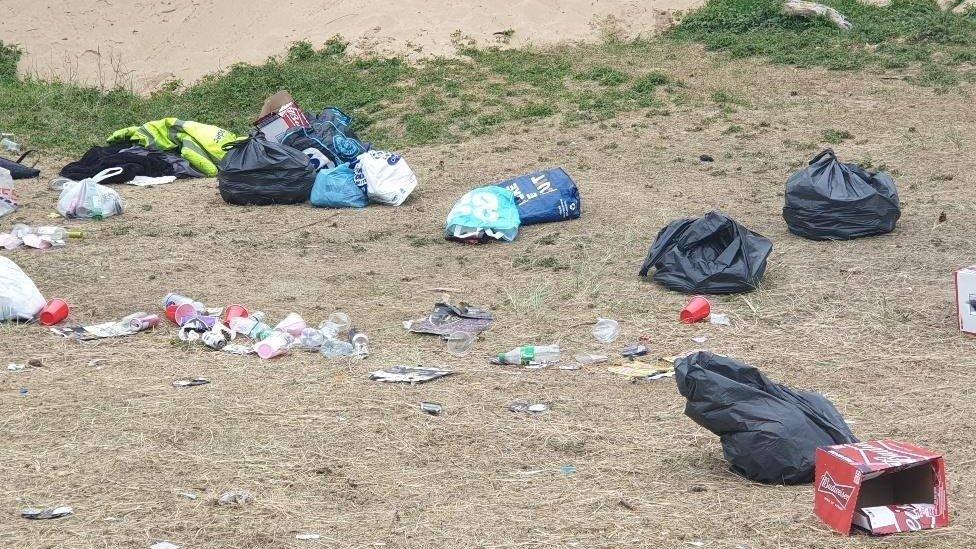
column 171, row 313
column 235, row 311
column 55, row 311
column 696, row 310
column 185, row 312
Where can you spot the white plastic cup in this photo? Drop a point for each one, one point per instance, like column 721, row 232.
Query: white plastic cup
column 293, row 324
column 272, row 346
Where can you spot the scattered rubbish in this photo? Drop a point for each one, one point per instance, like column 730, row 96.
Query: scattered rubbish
column 386, row 176
column 164, row 545
column 965, row 298
column 644, row 371
column 634, row 350
column 544, row 197
column 529, row 355
column 700, row 339
column 519, row 406
column 483, row 214
column 19, row 297
column 606, row 330
column 260, row 172
column 570, row 366
column 706, row 158
column 12, row 367
column 409, row 374
column 33, row 513
column 307, row 536
column 568, row 469
column 719, row 319
column 89, row 199
column 590, row 358
column 189, row 495
column 202, row 145
column 192, row 382
column 883, row 487
column 459, row 343
column 144, row 181
column 696, row 310
column 447, row 319
column 274, row 345
column 712, row 254
column 235, row 497
column 8, row 196
column 812, row 10
column 237, row 349
column 832, row 200
column 696, row 543
column 9, row 145
column 23, row 391
column 97, row 331
column 769, row 432
column 96, row 363
column 360, row 343
column 54, row 312
column 431, row 408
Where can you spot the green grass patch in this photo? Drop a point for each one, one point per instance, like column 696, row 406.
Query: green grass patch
column 394, row 103
column 906, row 33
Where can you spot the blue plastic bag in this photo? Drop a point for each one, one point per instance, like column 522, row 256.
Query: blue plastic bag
column 336, row 188
column 543, row 197
column 482, row 214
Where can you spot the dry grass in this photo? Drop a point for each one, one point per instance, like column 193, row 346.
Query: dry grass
column 869, row 323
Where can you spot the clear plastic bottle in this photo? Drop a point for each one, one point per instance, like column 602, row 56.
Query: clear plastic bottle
column 590, row 358
column 311, row 338
column 360, row 343
column 20, row 230
column 606, row 330
column 336, row 348
column 538, row 354
column 335, row 325
column 54, row 233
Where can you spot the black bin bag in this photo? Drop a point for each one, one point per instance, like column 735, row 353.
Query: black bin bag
column 770, row 433
column 261, row 172
column 709, row 255
column 831, row 200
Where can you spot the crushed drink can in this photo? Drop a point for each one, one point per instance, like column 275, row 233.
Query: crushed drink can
column 145, row 322
column 214, row 339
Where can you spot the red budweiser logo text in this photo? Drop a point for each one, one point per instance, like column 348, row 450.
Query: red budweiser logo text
column 840, row 492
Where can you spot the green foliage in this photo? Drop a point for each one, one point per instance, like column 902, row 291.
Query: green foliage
column 905, row 33
column 9, row 57
column 835, row 137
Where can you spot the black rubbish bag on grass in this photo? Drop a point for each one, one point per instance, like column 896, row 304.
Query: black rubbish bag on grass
column 831, row 200
column 261, row 172
column 770, row 433
column 709, row 255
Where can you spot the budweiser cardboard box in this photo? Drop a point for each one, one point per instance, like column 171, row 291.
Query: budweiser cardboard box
column 966, row 299
column 883, row 486
column 279, row 114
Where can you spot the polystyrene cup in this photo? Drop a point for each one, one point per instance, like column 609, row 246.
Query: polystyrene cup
column 696, row 310
column 55, row 311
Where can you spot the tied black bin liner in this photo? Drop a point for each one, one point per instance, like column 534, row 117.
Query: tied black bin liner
column 709, row 255
column 770, row 433
column 831, row 200
column 261, row 172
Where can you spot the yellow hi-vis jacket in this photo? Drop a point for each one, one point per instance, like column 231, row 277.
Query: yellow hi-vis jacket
column 201, row 144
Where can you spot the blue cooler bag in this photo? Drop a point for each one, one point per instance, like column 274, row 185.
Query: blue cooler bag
column 336, row 188
column 543, row 197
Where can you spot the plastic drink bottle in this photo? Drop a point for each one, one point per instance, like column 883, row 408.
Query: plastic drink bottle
column 311, row 338
column 539, row 354
column 360, row 343
column 251, row 327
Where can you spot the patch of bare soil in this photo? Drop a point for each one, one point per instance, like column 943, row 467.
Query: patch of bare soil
column 869, row 323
